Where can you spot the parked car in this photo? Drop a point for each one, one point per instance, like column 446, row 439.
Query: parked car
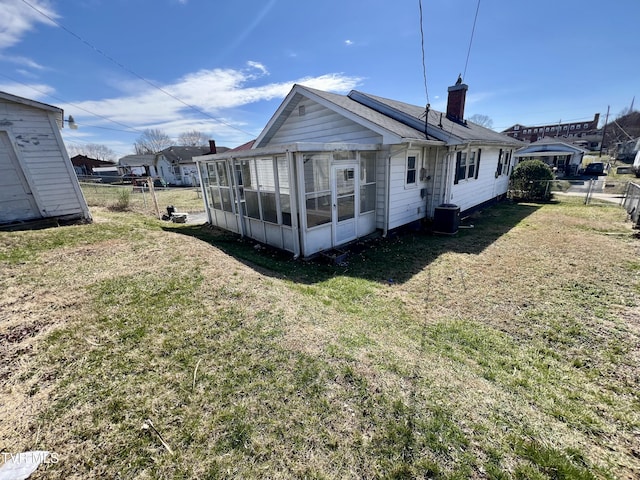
column 596, row 168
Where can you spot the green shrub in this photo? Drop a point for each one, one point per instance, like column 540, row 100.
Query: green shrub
column 123, row 200
column 530, row 181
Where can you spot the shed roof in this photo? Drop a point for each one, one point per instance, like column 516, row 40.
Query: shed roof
column 35, row 104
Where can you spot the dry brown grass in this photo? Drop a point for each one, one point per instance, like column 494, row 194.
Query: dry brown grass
column 508, row 351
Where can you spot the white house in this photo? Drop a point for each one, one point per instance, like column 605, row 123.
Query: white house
column 184, row 167
column 37, row 179
column 563, row 157
column 174, row 165
column 147, row 165
column 328, row 169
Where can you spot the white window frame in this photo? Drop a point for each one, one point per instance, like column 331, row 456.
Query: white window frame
column 417, row 155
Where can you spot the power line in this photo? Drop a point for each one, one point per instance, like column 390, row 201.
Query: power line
column 111, row 59
column 424, row 65
column 128, row 127
column 471, row 40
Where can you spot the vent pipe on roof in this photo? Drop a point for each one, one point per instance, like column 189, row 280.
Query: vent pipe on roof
column 456, row 101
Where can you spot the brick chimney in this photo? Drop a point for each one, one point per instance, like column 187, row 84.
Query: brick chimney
column 456, row 100
column 212, row 146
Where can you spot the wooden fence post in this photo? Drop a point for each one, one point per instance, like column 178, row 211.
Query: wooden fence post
column 152, row 191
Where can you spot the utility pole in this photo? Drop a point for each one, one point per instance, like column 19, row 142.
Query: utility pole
column 604, row 131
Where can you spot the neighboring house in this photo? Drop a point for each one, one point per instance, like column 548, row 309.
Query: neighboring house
column 37, row 180
column 185, row 169
column 84, row 165
column 569, row 130
column 148, row 165
column 563, row 157
column 173, row 165
column 328, row 169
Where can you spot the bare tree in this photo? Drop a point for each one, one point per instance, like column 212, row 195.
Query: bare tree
column 152, row 140
column 482, row 120
column 97, row 151
column 192, row 138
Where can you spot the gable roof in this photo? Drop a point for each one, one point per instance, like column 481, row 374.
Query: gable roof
column 136, row 160
column 438, row 125
column 395, row 121
column 182, row 154
column 548, row 147
column 34, row 104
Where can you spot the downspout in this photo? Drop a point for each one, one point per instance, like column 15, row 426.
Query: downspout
column 445, row 178
column 387, row 176
column 431, row 200
column 293, row 200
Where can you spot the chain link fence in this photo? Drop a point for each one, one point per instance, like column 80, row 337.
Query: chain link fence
column 143, row 198
column 599, row 189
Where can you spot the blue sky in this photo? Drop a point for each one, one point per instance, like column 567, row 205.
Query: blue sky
column 111, row 63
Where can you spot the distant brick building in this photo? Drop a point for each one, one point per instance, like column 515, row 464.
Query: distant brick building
column 566, row 130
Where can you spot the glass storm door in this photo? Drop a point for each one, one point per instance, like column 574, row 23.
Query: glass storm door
column 344, row 193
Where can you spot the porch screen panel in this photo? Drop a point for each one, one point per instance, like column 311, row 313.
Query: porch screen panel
column 267, row 188
column 284, row 191
column 317, row 189
column 250, row 189
column 367, row 182
column 214, row 191
column 224, row 185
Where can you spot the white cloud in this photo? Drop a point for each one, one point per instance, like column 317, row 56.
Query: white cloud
column 348, row 42
column 17, row 18
column 217, row 92
column 33, row 91
column 24, row 61
column 258, row 66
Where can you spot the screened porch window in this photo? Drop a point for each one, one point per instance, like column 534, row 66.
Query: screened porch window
column 214, row 191
column 250, row 189
column 317, row 189
column 283, row 188
column 367, row 182
column 267, row 188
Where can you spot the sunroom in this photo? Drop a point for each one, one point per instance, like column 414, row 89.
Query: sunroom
column 302, row 198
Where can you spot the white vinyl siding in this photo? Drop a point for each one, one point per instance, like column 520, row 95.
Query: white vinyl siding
column 319, row 124
column 485, row 187
column 44, row 161
column 405, row 204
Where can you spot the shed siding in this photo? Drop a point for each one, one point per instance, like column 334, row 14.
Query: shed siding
column 42, row 156
column 319, row 124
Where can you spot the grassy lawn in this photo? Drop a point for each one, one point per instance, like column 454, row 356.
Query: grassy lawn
column 135, row 348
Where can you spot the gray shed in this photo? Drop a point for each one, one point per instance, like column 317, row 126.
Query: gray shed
column 37, row 179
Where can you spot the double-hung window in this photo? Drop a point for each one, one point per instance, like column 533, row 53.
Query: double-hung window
column 412, row 167
column 467, row 165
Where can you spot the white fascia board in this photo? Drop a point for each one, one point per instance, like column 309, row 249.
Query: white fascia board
column 283, row 149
